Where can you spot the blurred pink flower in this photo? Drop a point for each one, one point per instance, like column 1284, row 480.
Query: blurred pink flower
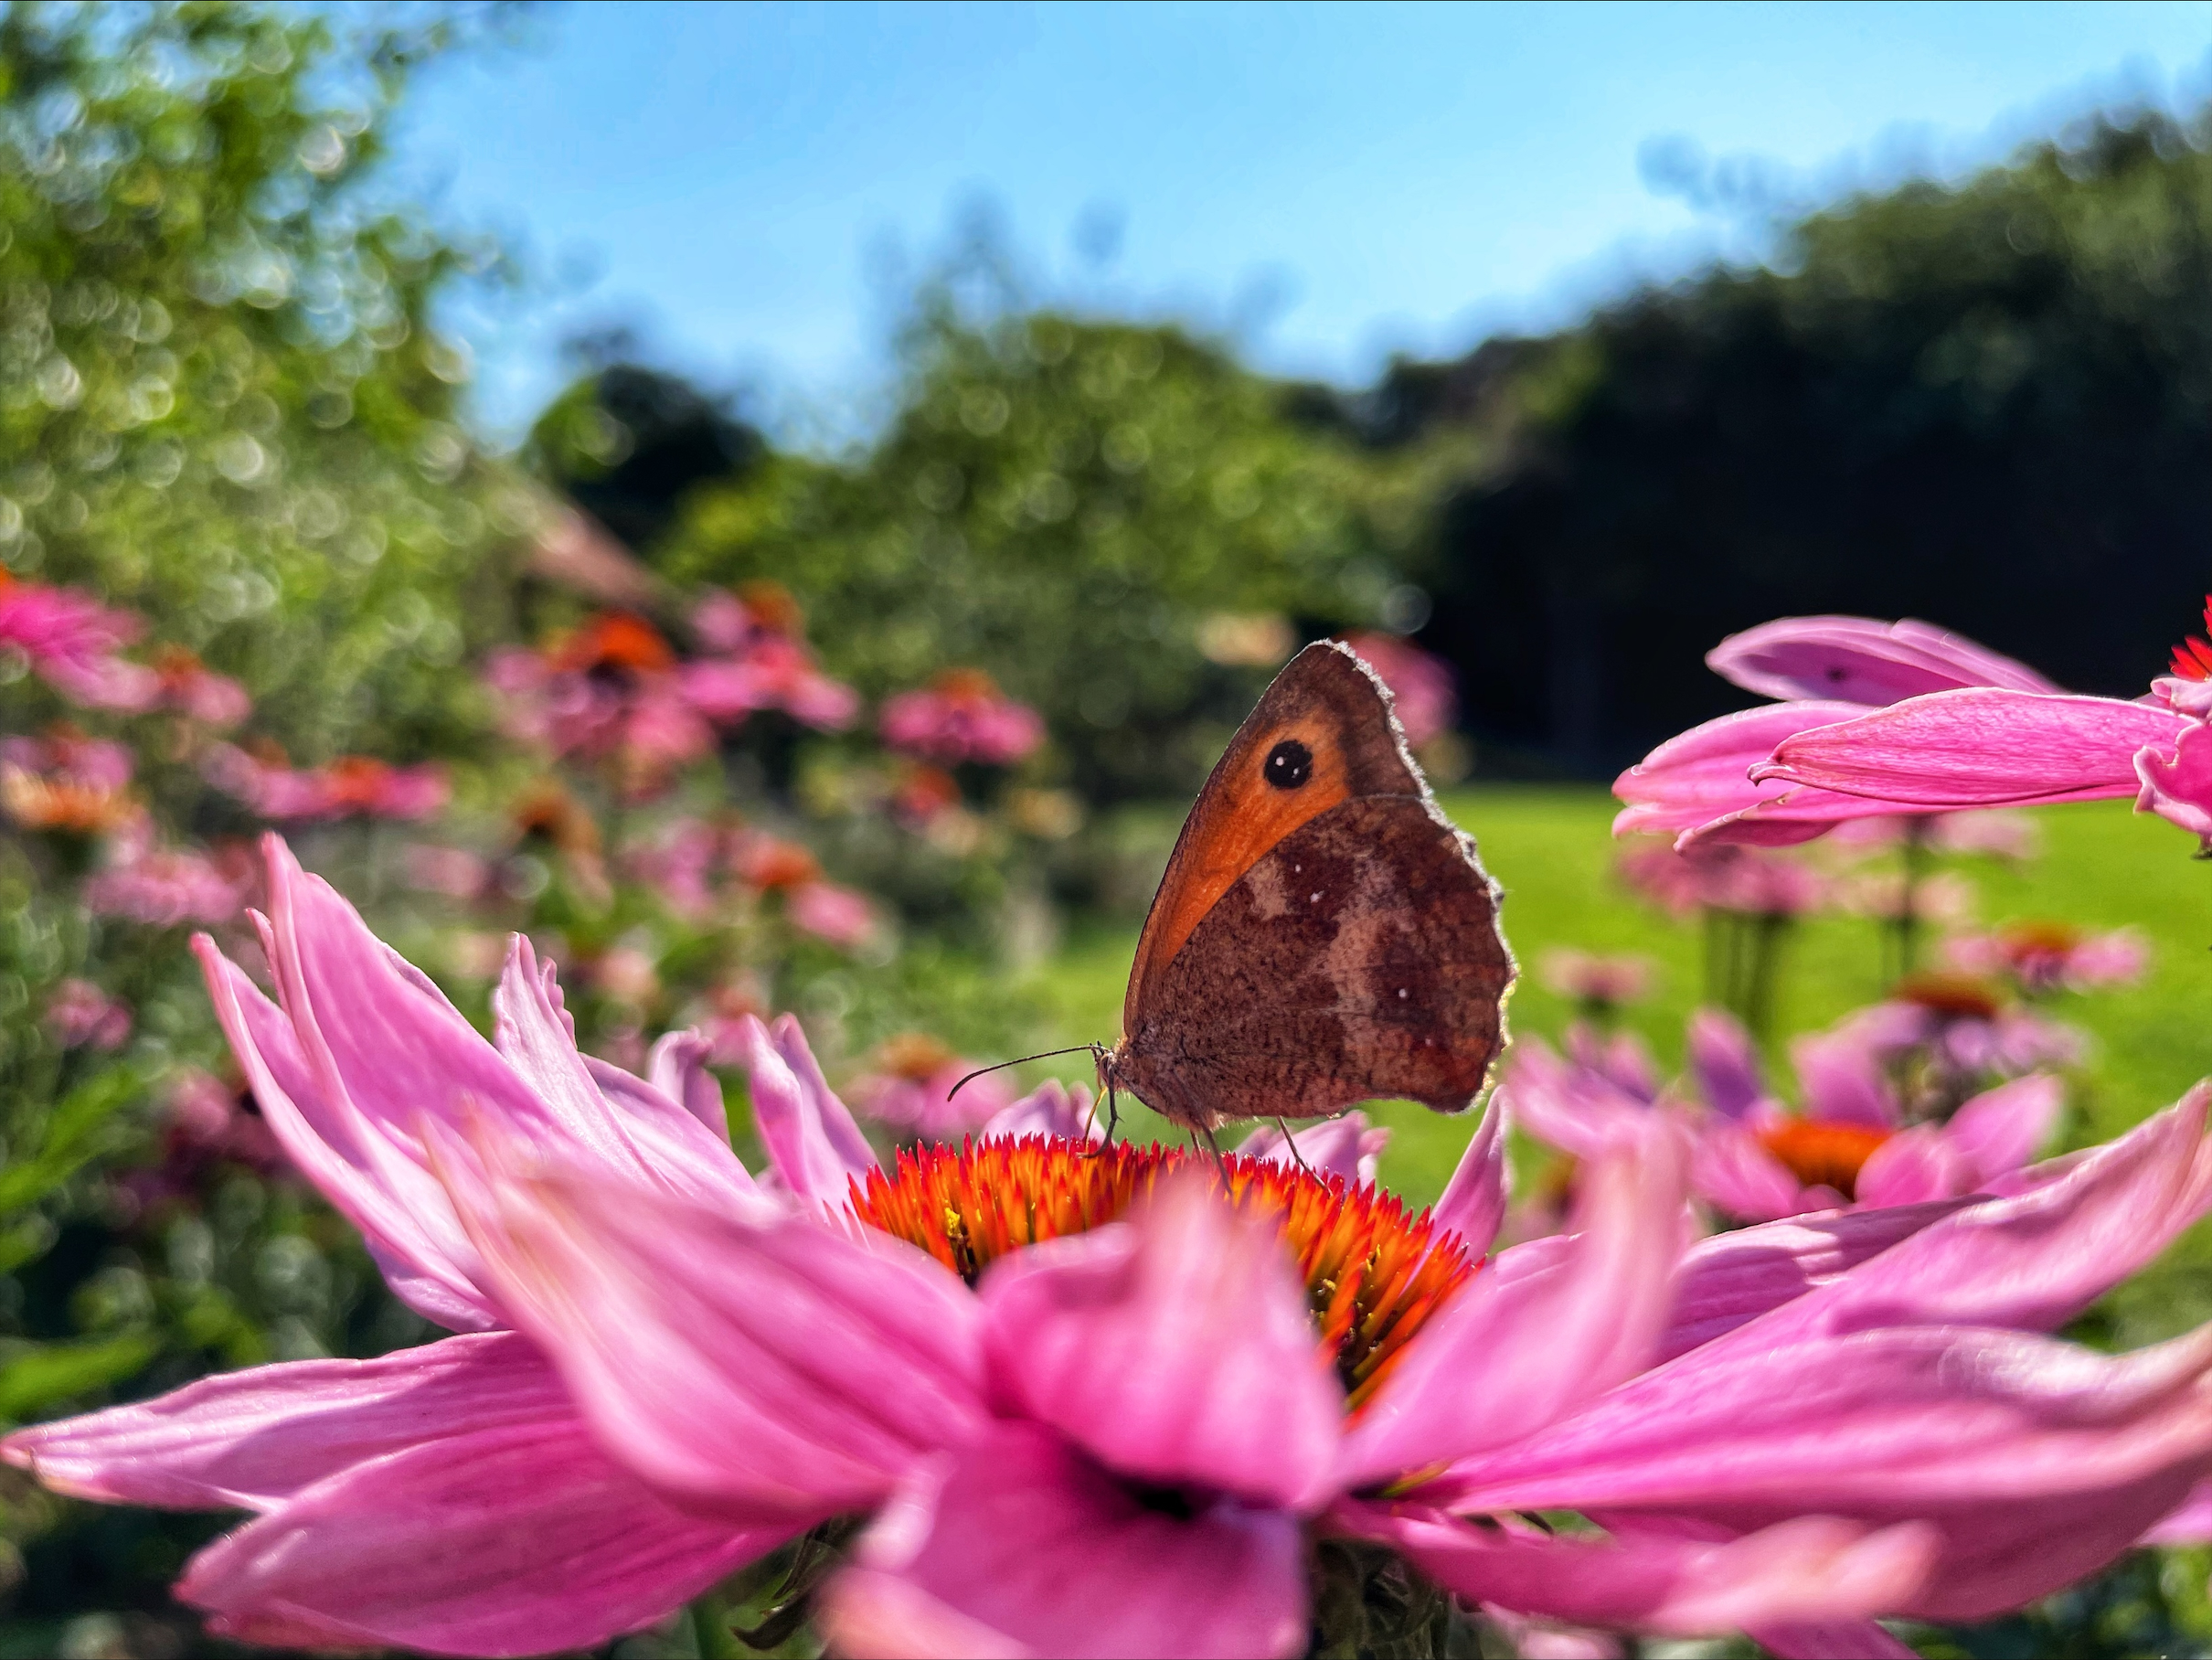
column 607, row 692
column 1120, row 1440
column 678, row 862
column 454, row 872
column 1594, row 979
column 2052, row 956
column 1847, row 1144
column 1722, row 879
column 192, row 688
column 907, row 1088
column 1053, row 1110
column 843, row 917
column 80, row 1015
column 1423, row 687
column 72, row 640
column 66, row 781
column 1826, row 670
column 350, row 786
column 761, row 663
column 1997, row 832
column 1345, row 1147
column 164, row 887
column 208, row 1119
column 960, row 716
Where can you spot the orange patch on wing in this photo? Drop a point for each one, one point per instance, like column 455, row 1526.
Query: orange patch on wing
column 1236, row 820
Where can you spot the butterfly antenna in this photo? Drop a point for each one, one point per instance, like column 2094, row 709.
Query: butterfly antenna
column 1000, row 1066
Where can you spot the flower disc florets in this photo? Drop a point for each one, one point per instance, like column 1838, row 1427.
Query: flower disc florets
column 1374, row 1271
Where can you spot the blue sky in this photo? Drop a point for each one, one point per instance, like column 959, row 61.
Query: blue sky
column 744, row 183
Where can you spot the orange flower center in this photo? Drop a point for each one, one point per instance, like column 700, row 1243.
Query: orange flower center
column 358, row 780
column 1823, row 1155
column 913, row 1055
column 1373, row 1273
column 1957, row 995
column 966, row 686
column 615, row 640
column 771, row 606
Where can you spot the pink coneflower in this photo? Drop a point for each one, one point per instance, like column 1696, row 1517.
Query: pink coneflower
column 2044, row 957
column 1130, row 1390
column 351, row 786
column 761, row 661
column 961, row 716
column 1743, row 879
column 192, row 688
column 72, row 640
column 907, row 1088
column 843, row 917
column 1425, row 693
column 1596, row 982
column 1965, row 1024
column 66, row 781
column 606, row 692
column 165, row 886
column 80, row 1016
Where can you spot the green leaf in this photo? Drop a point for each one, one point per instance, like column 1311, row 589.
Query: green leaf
column 74, row 1134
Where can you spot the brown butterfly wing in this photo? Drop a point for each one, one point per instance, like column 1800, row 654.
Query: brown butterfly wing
column 1327, row 700
column 1358, row 958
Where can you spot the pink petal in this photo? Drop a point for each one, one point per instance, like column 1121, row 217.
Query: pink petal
column 1912, row 1167
column 510, row 1541
column 1862, row 660
column 1507, row 1355
column 1736, row 1276
column 1474, row 1199
column 1738, row 1176
column 1725, row 1062
column 738, row 1358
column 1053, row 1110
column 2070, row 1453
column 1021, row 1547
column 817, row 1149
column 1980, row 749
column 407, row 1225
column 2189, row 1524
column 254, row 1439
column 1176, row 1349
column 1705, row 773
column 1567, row 1107
column 677, row 1068
column 1809, row 1568
column 1842, row 1078
column 2176, row 784
column 1344, row 1146
column 2035, row 1261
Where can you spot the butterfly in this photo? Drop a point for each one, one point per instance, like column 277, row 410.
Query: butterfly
column 1322, row 935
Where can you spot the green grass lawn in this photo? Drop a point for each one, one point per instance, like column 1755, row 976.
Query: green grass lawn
column 1551, row 848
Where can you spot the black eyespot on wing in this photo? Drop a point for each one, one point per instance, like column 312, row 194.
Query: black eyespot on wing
column 1289, row 764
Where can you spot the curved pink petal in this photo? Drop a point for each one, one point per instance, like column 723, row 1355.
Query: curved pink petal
column 1913, row 1166
column 2176, row 783
column 1735, row 1175
column 1735, row 1277
column 1842, row 1079
column 1021, row 1547
column 750, row 1362
column 1566, row 1106
column 2035, row 1261
column 2188, row 1524
column 2001, row 1129
column 1507, row 1355
column 677, row 1068
column 1176, row 1349
column 1474, row 1202
column 1705, row 773
column 255, row 1439
column 1809, row 1568
column 2078, row 1451
column 1979, row 749
column 1053, row 1110
column 518, row 1540
column 813, row 1145
column 1862, row 660
column 1725, row 1063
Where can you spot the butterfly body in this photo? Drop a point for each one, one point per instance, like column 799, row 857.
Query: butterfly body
column 1323, row 934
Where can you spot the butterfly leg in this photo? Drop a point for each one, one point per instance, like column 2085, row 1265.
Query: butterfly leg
column 1113, row 1119
column 1220, row 1163
column 1297, row 1157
